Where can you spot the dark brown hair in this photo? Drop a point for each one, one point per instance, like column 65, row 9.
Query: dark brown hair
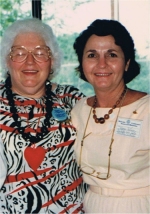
column 103, row 27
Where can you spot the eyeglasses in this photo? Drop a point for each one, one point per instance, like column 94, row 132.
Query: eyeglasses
column 20, row 53
column 88, row 169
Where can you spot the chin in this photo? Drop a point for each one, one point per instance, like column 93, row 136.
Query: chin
column 102, row 85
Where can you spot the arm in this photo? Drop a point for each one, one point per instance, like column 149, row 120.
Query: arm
column 3, row 165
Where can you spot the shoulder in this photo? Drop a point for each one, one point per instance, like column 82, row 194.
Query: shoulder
column 79, row 111
column 66, row 87
column 133, row 96
column 81, row 102
column 81, row 107
column 67, row 90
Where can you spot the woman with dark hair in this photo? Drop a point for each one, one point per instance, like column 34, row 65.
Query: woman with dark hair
column 112, row 145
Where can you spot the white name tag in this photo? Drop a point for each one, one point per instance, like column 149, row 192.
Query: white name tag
column 128, row 127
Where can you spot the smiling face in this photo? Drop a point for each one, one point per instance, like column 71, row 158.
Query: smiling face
column 28, row 77
column 103, row 63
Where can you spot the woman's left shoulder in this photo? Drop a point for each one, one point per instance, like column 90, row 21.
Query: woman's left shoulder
column 67, row 93
column 60, row 87
column 137, row 94
column 133, row 96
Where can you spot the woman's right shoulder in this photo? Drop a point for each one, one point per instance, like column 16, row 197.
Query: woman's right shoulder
column 81, row 102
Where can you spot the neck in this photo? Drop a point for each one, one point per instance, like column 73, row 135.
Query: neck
column 33, row 95
column 118, row 103
column 106, row 99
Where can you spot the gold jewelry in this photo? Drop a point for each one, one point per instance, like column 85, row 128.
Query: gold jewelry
column 106, row 116
column 92, row 172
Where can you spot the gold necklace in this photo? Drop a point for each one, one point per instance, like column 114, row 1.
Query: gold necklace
column 101, row 120
column 108, row 175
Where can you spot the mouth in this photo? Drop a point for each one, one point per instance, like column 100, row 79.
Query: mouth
column 30, row 71
column 103, row 74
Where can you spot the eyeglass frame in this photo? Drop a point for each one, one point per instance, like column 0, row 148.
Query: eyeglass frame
column 48, row 49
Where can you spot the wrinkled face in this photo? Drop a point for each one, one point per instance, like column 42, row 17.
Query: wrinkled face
column 28, row 77
column 103, row 62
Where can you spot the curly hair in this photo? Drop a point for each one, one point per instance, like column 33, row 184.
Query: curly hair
column 103, row 27
column 32, row 25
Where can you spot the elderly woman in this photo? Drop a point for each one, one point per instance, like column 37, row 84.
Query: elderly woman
column 36, row 131
column 112, row 146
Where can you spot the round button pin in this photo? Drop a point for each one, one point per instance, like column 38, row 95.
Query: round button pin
column 59, row 114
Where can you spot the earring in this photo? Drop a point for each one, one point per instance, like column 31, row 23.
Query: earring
column 51, row 71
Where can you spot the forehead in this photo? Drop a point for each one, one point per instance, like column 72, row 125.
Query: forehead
column 30, row 39
column 97, row 42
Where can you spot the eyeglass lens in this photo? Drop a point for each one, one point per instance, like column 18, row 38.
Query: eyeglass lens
column 19, row 54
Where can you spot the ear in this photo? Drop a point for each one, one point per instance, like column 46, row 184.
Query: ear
column 127, row 65
column 51, row 61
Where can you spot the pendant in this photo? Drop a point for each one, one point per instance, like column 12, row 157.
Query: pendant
column 59, row 114
column 101, row 120
column 34, row 156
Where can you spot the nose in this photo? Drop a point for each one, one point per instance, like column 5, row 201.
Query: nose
column 30, row 58
column 101, row 62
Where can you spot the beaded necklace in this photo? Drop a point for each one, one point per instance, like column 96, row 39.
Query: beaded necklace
column 44, row 129
column 106, row 116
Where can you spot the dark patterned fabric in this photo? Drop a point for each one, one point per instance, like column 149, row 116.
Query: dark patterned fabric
column 52, row 184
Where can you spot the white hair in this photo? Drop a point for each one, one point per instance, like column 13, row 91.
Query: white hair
column 33, row 25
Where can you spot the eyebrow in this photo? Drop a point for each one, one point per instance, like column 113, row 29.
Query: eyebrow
column 109, row 50
column 91, row 50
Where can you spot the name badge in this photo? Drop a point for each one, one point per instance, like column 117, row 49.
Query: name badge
column 128, row 127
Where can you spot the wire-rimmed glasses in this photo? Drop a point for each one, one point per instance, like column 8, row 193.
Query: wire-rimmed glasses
column 90, row 171
column 20, row 53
